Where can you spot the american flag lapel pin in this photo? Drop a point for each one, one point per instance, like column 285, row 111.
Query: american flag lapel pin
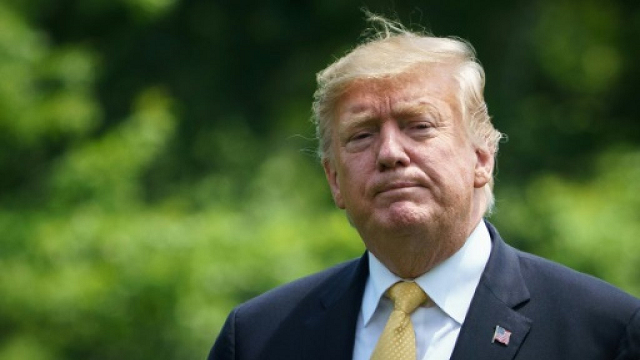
column 501, row 335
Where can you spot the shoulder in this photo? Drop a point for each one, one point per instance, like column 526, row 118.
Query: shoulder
column 292, row 294
column 541, row 273
column 555, row 296
column 578, row 302
column 602, row 318
column 550, row 282
column 271, row 325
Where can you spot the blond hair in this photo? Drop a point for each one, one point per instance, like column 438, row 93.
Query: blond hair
column 391, row 50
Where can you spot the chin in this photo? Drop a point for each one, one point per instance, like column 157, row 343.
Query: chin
column 404, row 217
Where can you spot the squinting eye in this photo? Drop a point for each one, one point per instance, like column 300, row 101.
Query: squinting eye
column 359, row 141
column 360, row 136
column 420, row 126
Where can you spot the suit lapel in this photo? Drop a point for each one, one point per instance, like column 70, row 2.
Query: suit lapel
column 500, row 291
column 326, row 336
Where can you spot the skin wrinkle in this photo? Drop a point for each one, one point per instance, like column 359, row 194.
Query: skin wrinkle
column 413, row 193
column 359, row 117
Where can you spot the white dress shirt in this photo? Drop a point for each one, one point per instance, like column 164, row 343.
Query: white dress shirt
column 450, row 285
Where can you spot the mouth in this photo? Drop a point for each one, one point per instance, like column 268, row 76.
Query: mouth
column 396, row 186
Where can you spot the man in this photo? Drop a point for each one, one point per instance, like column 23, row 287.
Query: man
column 408, row 150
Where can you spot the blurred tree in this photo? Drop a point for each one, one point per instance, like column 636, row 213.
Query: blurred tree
column 156, row 167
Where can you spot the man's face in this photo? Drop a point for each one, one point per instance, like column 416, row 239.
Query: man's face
column 402, row 157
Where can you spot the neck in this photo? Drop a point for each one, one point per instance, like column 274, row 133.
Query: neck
column 411, row 256
column 414, row 253
column 411, row 251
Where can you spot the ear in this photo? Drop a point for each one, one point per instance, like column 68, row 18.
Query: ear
column 332, row 178
column 484, row 167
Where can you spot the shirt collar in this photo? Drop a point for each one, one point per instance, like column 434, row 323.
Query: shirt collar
column 450, row 285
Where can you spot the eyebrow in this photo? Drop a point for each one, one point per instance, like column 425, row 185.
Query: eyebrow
column 357, row 116
column 416, row 107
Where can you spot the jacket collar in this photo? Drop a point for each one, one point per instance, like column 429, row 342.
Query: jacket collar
column 331, row 330
column 500, row 292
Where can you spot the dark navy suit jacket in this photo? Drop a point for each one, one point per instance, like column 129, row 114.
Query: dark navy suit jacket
column 551, row 311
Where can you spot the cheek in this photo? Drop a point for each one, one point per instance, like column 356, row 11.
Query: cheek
column 349, row 181
column 448, row 166
column 353, row 179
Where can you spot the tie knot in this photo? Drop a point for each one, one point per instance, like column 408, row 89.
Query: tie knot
column 406, row 296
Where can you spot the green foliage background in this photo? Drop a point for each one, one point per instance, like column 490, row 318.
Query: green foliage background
column 157, row 168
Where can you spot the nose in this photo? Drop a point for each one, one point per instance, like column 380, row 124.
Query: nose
column 391, row 150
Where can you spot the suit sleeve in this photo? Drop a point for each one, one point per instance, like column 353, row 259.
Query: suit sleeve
column 225, row 345
column 630, row 345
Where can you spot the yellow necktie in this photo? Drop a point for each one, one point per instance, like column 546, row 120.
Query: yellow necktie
column 398, row 341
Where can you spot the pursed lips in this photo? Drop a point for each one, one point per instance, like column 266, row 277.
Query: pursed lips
column 396, row 185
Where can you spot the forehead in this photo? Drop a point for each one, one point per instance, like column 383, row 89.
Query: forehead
column 411, row 91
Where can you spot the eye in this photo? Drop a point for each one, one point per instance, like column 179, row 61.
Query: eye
column 419, row 126
column 360, row 136
column 360, row 140
column 419, row 129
